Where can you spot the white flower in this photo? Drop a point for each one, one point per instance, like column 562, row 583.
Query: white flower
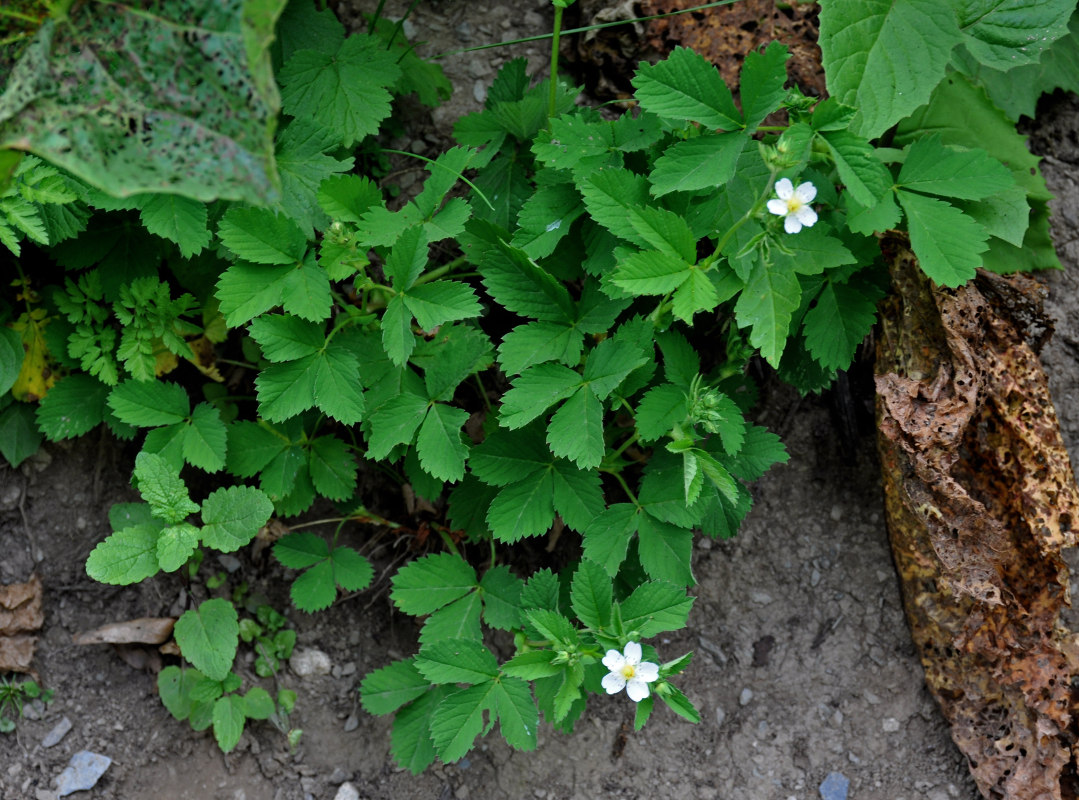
column 793, row 205
column 628, row 672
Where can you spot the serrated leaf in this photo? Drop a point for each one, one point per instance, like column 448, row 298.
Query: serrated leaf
column 257, row 703
column 456, row 661
column 946, row 241
column 333, row 469
column 346, row 92
column 178, row 219
column 577, row 494
column 933, row 168
column 837, row 324
column 396, row 422
column 386, row 690
column 609, row 363
column 865, row 177
column 458, row 620
column 761, row 83
column 348, row 197
column 546, row 218
column 884, row 58
column 205, row 439
column 398, row 340
column 337, row 385
column 697, row 293
column 11, row 358
column 301, row 550
column 247, row 290
column 665, row 550
column 501, row 592
column 434, row 304
column 706, row 162
column 229, row 717
column 161, row 487
column 260, row 236
column 536, row 342
column 232, row 517
column 283, row 337
column 251, row 447
column 74, row 406
column 507, row 457
column 127, row 556
column 591, row 595
column 534, row 391
column 608, row 196
column 175, row 545
column 149, row 403
column 665, row 231
column 431, row 582
column 286, row 389
column 680, row 704
column 541, row 590
column 532, row 665
column 552, row 626
column 766, row 305
column 1003, row 34
column 607, row 537
column 410, row 740
column 522, row 509
column 314, row 590
column 458, row 720
column 439, row 443
column 305, row 290
column 576, row 430
column 517, row 282
column 650, row 272
column 686, row 86
column 660, row 409
column 518, row 717
column 761, row 450
column 208, row 637
column 351, row 571
column 407, row 258
column 655, row 607
column 303, row 162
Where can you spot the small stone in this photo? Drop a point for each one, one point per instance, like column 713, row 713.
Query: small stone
column 338, row 776
column 352, row 723
column 348, row 669
column 721, row 715
column 479, row 91
column 837, row 718
column 35, row 710
column 890, row 725
column 745, row 697
column 533, row 20
column 462, row 792
column 229, row 562
column 44, row 794
column 464, row 32
column 760, row 598
column 835, row 786
column 814, row 577
column 82, row 773
column 58, row 732
column 870, row 698
column 309, row 662
column 346, row 791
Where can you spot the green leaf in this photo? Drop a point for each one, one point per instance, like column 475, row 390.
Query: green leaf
column 702, row 163
column 697, row 293
column 501, row 593
column 507, row 457
column 1003, row 34
column 283, row 337
column 397, row 337
column 229, row 718
column 946, row 241
column 837, row 324
column 251, row 447
column 205, row 439
column 407, row 258
column 127, row 556
column 933, row 168
column 546, row 218
column 536, row 342
column 337, row 385
column 439, row 443
column 456, row 661
column 175, row 545
column 11, row 358
column 303, row 161
column 305, row 291
column 301, row 550
column 314, row 590
column 386, row 690
column 687, row 87
column 865, row 177
column 522, row 509
column 410, row 740
column 348, row 197
column 247, row 290
column 517, row 282
column 174, row 688
column 591, row 595
column 766, row 305
column 608, row 196
column 660, row 409
column 458, row 620
column 576, row 430
column 346, row 92
column 162, row 488
column 208, row 637
column 552, row 626
column 606, row 539
column 178, row 219
column 650, row 272
column 665, row 550
column 434, row 304
column 232, row 517
column 609, row 363
column 257, row 704
column 541, row 590
column 884, row 57
column 576, row 493
column 429, row 583
column 518, row 717
column 396, row 422
column 74, row 406
column 458, row 720
column 665, row 231
column 534, row 391
column 761, row 83
column 260, row 236
column 532, row 665
column 149, row 403
column 655, row 607
column 333, row 469
column 761, row 450
column 285, row 390
column 679, row 704
column 351, row 571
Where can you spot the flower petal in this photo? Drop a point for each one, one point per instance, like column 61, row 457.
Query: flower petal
column 806, row 192
column 778, row 207
column 791, row 224
column 633, row 653
column 647, row 672
column 806, row 215
column 613, row 682
column 637, row 690
column 614, row 660
column 784, row 188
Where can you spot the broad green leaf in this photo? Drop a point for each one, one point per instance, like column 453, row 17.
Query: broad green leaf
column 706, row 162
column 431, row 582
column 304, row 162
column 347, row 198
column 207, row 137
column 74, row 406
column 450, row 357
column 314, row 590
column 458, row 620
column 283, row 337
column 208, row 637
column 257, row 703
column 456, row 661
column 665, row 231
column 761, row 83
column 439, row 443
column 933, row 168
column 231, row 517
column 501, row 593
column 591, row 595
column 410, row 740
column 518, row 717
column 532, row 664
column 337, row 385
column 813, row 251
column 386, row 690
column 351, row 571
column 260, row 236
column 609, row 363
column 305, row 290
column 346, row 92
column 863, row 174
column 655, row 607
column 534, row 391
column 606, row 539
column 517, row 282
column 247, row 290
column 541, row 591
column 522, row 509
column 407, row 258
column 178, row 219
column 175, row 545
column 686, row 86
column 681, row 364
column 229, row 717
column 608, row 196
column 458, row 720
column 766, row 306
column 660, row 409
column 884, row 57
column 697, row 293
column 536, row 342
column 443, row 174
column 174, row 687
column 127, row 556
column 251, row 447
column 576, row 430
column 577, row 494
column 1003, row 34
column 837, row 324
column 301, row 550
column 546, row 218
column 946, row 241
column 333, row 469
column 761, row 450
column 205, row 439
column 650, row 272
column 398, row 340
column 149, row 403
column 665, row 550
column 434, row 304
column 396, row 422
column 680, row 704
column 507, row 457
column 552, row 626
column 1005, row 215
column 286, row 389
column 162, row 488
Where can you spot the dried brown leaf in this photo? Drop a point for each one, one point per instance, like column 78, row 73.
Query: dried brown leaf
column 21, row 607
column 16, row 653
column 145, row 630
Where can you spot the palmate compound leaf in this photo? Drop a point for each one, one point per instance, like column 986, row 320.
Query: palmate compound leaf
column 946, row 241
column 208, row 137
column 328, row 379
column 501, row 592
column 333, row 468
column 304, row 161
column 760, row 85
column 536, row 342
column 246, row 290
column 884, row 57
column 576, row 429
column 208, row 637
column 518, row 717
column 386, row 690
column 431, row 582
column 665, row 550
column 458, row 620
column 661, row 408
column 410, row 740
column 205, row 438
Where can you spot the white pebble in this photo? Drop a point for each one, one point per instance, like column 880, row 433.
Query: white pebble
column 306, row 663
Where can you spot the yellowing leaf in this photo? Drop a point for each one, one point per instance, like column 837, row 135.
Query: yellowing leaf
column 36, row 376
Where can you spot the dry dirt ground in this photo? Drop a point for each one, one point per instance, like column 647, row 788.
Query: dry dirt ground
column 804, row 663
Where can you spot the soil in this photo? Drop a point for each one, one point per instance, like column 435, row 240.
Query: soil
column 804, row 663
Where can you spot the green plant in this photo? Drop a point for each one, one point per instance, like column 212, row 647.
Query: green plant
column 13, row 695
column 581, row 365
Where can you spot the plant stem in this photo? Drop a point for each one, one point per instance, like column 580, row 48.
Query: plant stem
column 438, row 272
column 625, row 486
column 552, row 97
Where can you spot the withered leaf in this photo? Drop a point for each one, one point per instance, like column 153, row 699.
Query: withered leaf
column 21, row 614
column 145, row 630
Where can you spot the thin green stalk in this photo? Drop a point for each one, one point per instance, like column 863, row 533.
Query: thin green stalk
column 625, row 446
column 438, row 272
column 625, row 486
column 552, row 96
column 741, row 221
column 376, row 17
column 468, row 183
column 20, row 16
column 401, row 22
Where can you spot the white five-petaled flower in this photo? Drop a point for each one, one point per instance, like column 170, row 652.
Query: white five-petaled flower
column 793, row 205
column 628, row 672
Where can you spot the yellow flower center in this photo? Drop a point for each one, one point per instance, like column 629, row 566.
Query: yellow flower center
column 628, row 671
column 794, row 204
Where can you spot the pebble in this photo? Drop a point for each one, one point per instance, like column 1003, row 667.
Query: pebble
column 10, row 498
column 721, row 715
column 309, row 662
column 229, row 562
column 479, row 91
column 890, row 725
column 760, row 598
column 745, row 697
column 58, row 732
column 346, row 791
column 82, row 773
column 464, row 32
column 835, row 786
column 352, row 723
column 814, row 577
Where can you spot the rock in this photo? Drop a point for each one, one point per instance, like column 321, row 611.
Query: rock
column 890, row 725
column 835, row 786
column 352, row 723
column 82, row 773
column 745, row 697
column 58, row 732
column 309, row 662
column 346, row 791
column 720, row 716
